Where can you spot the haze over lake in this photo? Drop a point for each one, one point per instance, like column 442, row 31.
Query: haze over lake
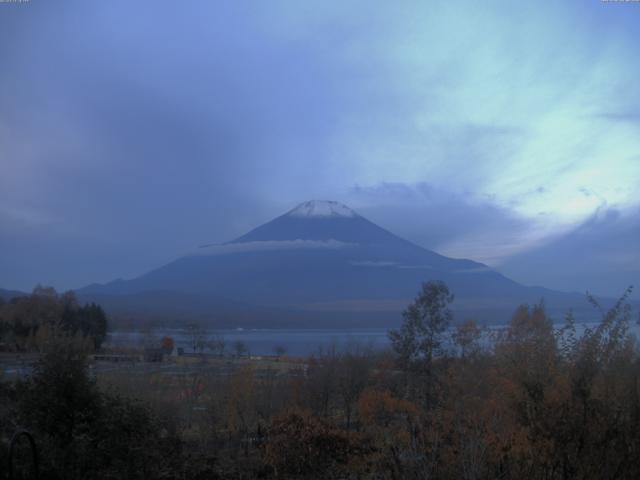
column 296, row 342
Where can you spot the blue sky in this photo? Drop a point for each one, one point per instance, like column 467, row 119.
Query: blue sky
column 505, row 132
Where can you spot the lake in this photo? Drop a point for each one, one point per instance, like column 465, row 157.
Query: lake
column 297, row 342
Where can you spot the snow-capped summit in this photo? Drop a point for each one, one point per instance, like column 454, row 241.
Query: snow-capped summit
column 323, row 221
column 322, row 208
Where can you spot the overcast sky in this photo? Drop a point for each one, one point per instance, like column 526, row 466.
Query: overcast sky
column 505, row 132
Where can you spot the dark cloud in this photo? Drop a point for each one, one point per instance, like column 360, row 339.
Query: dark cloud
column 602, row 255
column 433, row 217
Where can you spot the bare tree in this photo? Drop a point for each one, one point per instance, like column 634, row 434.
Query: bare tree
column 425, row 320
column 217, row 344
column 197, row 338
column 279, row 350
column 420, row 337
column 240, row 348
column 466, row 337
column 354, row 367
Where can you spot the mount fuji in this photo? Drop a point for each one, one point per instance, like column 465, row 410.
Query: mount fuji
column 320, row 264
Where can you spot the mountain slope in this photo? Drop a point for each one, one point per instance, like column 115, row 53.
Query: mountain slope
column 9, row 294
column 324, row 257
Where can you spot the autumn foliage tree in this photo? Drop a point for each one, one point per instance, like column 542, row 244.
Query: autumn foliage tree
column 301, row 444
column 167, row 344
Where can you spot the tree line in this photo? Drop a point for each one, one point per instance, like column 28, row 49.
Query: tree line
column 30, row 322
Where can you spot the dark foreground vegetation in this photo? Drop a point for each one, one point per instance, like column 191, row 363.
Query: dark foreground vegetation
column 533, row 403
